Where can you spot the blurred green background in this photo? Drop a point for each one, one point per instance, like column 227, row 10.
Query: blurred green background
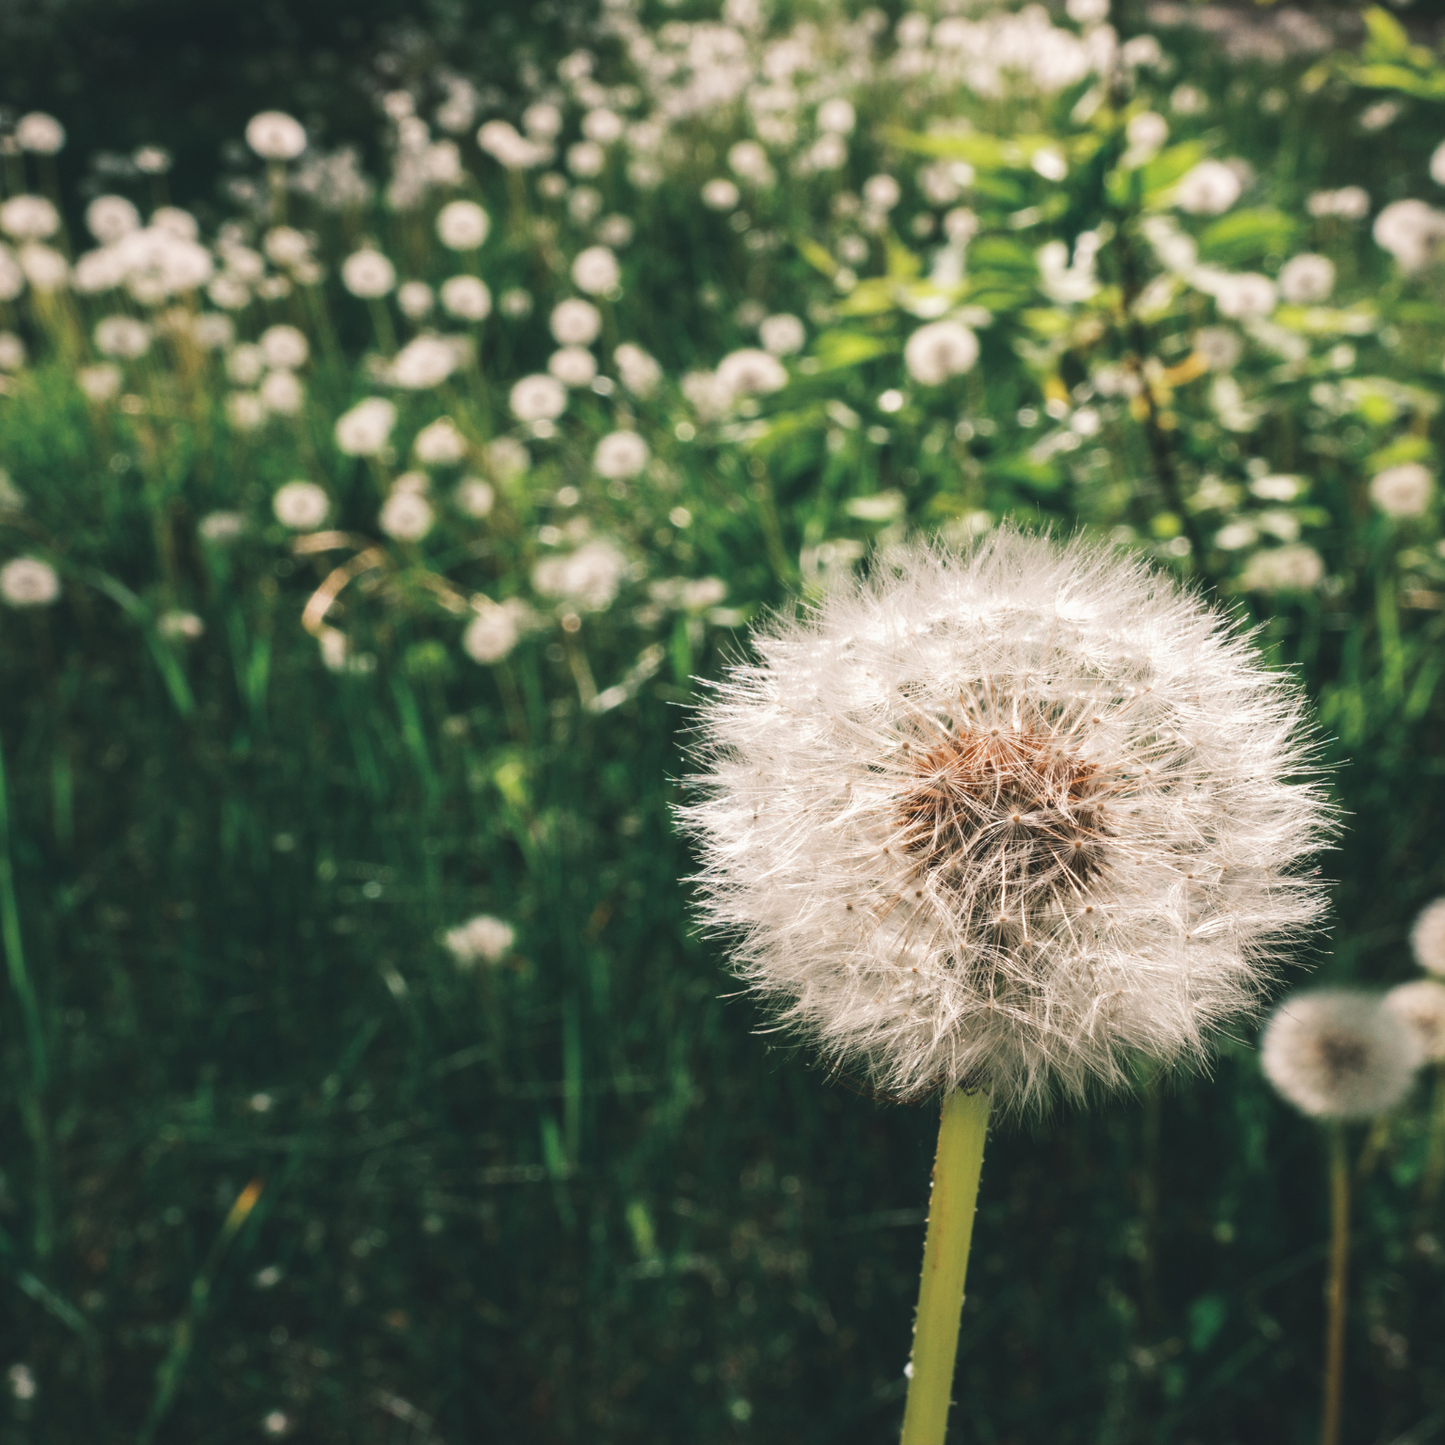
column 271, row 1164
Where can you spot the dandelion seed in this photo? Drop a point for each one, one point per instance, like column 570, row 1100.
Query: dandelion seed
column 282, row 393
column 424, row 362
column 495, row 630
column 1245, row 296
column 1339, row 1054
column 275, row 136
column 915, row 795
column 750, row 372
column 588, row 578
column 286, row 246
column 440, row 443
column 1411, row 231
column 1306, row 279
column 782, row 335
column 415, row 299
column 639, row 371
column 29, row 218
column 29, row 582
column 1293, row 568
column 109, row 218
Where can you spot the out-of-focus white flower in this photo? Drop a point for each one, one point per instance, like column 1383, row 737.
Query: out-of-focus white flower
column 286, row 246
column 123, row 336
column 12, row 278
column 108, row 218
column 881, row 192
column 1306, row 279
column 406, row 515
column 40, row 134
column 1087, row 12
column 1220, row 347
column 939, row 351
column 837, row 116
column 515, row 302
column 1404, row 490
column 1145, row 133
column 942, row 813
column 496, row 629
column 440, row 443
column 1411, row 232
column 1338, row 1053
column 474, row 497
column 245, row 410
column 246, row 364
column 720, row 194
column 603, row 126
column 749, row 161
column 505, row 145
column 614, row 230
column 21, row 1379
column 282, row 392
column 1293, row 568
column 751, row 372
column 537, row 398
column 619, row 455
column 706, row 395
column 1427, row 937
column 29, row 582
column 180, row 626
column 1244, row 295
column 467, row 298
column 595, row 270
column 783, row 334
column 424, row 362
column 302, row 506
column 586, row 159
column 276, row 136
column 285, row 347
column 12, row 351
column 1420, row 1006
column 414, row 298
column 542, row 120
column 365, row 429
column 573, row 366
column 482, row 939
column 99, row 383
column 639, row 371
column 575, row 322
column 1350, row 203
column 462, row 225
column 589, row 577
column 222, row 528
column 507, row 457
column 213, row 331
column 29, row 218
column 1209, row 189
column 45, row 268
column 368, row 274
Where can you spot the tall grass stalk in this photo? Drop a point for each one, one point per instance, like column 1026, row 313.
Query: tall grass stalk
column 1335, row 1296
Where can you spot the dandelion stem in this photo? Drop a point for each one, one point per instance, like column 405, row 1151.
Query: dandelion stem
column 1339, row 1261
column 945, row 1263
column 1435, row 1150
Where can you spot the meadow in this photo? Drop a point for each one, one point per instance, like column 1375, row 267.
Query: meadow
column 367, row 532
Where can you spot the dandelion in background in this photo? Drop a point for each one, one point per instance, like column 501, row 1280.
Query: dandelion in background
column 282, row 393
column 474, row 497
column 639, row 371
column 783, row 334
column 179, row 626
column 750, row 372
column 275, row 136
column 1307, row 279
column 620, row 455
column 468, row 298
column 462, row 225
column 573, row 366
column 40, row 134
column 496, row 629
column 440, row 443
column 1404, row 490
column 589, row 577
column 507, row 457
column 12, row 351
column 1339, row 1055
column 415, row 298
column 1427, row 938
column 406, row 515
column 575, row 322
column 1296, row 567
column 938, row 352
column 368, row 274
column 1420, row 1005
column 537, row 398
column 515, row 303
column 303, row 506
column 482, row 939
column 1209, row 189
column 1411, row 231
column 365, row 429
column 110, row 218
column 595, row 270
column 285, row 347
column 994, row 826
column 720, row 194
column 29, row 582
column 29, row 218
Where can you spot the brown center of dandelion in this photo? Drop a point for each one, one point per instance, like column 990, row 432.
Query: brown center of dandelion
column 1343, row 1055
column 1004, row 818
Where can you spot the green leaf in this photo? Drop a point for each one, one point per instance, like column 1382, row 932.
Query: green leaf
column 1169, row 165
column 1245, row 236
column 1386, row 39
column 1021, row 468
column 837, row 349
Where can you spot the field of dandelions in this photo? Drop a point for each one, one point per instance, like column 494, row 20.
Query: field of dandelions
column 366, row 1077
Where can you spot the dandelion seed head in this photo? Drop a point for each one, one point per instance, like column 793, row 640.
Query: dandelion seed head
column 468, row 298
column 1339, row 1053
column 415, row 298
column 1403, row 490
column 1296, row 567
column 595, row 270
column 1306, row 279
column 368, row 274
column 424, row 362
column 462, row 225
column 1209, row 189
column 364, row 430
column 29, row 582
column 108, row 218
column 276, row 136
column 29, row 218
column 1427, row 937
column 573, row 366
column 285, row 346
column 440, row 443
column 537, row 398
column 639, row 371
column 575, row 322
column 1421, row 1005
column 620, row 455
column 40, row 134
column 940, row 351
column 474, row 497
column 1006, row 819
column 482, row 939
column 750, row 372
column 282, row 393
column 301, row 505
column 406, row 515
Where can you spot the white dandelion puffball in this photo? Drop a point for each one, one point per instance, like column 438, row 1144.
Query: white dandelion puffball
column 99, row 383
column 507, row 457
column 300, row 505
column 424, row 362
column 468, row 298
column 108, row 218
column 837, row 116
column 720, row 194
column 1427, row 937
column 276, row 136
column 1210, row 189
column 595, row 270
column 575, row 322
column 1339, row 1053
column 29, row 218
column 1306, row 279
column 29, row 582
column 1245, row 296
column 1410, row 231
column 12, row 351
column 368, row 274
column 474, row 497
column 588, row 577
column 45, row 268
column 750, row 372
column 245, row 410
column 1420, row 1005
column 440, row 443
column 1293, row 568
column 407, row 516
column 414, row 298
column 123, row 336
column 940, row 351
column 1006, row 820
column 1403, row 491
column 462, row 225
column 496, row 629
column 619, row 455
column 573, row 365
column 638, row 369
column 283, row 393
column 40, row 134
column 285, row 347
column 480, row 940
column 783, row 334
column 537, row 398
column 363, row 431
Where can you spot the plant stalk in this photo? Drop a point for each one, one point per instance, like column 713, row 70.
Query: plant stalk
column 951, row 1208
column 1339, row 1263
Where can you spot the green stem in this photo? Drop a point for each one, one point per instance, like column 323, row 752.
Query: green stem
column 1339, row 1262
column 945, row 1263
column 1435, row 1150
